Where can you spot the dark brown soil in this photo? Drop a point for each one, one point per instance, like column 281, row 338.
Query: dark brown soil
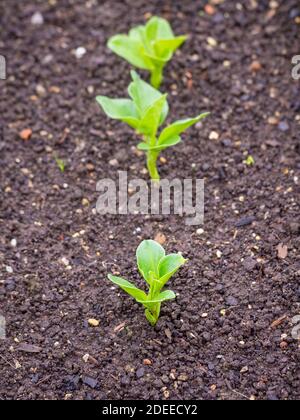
column 215, row 341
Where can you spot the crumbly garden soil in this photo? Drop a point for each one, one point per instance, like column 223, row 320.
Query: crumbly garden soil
column 216, row 341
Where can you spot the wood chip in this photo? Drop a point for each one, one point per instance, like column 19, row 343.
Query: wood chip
column 120, row 327
column 278, row 321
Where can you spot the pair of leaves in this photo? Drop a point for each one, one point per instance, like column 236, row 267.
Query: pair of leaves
column 146, row 111
column 170, row 136
column 147, row 47
column 157, row 269
column 154, row 265
column 138, row 294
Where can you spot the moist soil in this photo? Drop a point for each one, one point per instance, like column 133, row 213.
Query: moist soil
column 228, row 333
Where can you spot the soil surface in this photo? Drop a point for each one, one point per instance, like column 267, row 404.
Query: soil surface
column 228, row 333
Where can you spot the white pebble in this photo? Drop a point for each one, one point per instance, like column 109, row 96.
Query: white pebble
column 214, row 136
column 37, row 19
column 80, row 52
column 9, row 269
column 13, row 243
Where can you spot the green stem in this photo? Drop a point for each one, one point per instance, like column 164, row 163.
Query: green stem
column 156, row 77
column 152, row 157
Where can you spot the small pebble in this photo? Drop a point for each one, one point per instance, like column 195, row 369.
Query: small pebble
column 212, row 42
column 200, row 232
column 93, row 322
column 80, row 52
column 214, row 136
column 140, row 373
column 113, row 162
column 283, row 126
column 232, row 301
column 37, row 19
column 13, row 243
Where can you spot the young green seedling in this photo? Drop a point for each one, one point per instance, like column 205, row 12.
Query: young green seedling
column 156, row 268
column 146, row 111
column 148, row 47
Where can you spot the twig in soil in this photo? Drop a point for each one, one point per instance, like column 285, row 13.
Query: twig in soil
column 43, row 380
column 6, row 361
column 236, row 392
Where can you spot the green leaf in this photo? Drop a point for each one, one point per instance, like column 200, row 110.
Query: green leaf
column 138, row 33
column 167, row 47
column 158, row 28
column 120, row 109
column 162, row 297
column 131, row 49
column 149, row 254
column 179, row 127
column 129, row 288
column 152, row 118
column 173, row 141
column 144, row 96
column 168, row 266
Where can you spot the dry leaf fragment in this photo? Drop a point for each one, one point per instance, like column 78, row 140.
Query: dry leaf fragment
column 278, row 321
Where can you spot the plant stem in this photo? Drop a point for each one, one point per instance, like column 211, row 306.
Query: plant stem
column 152, row 165
column 156, row 77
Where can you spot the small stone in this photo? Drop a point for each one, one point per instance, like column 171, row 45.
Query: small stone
column 274, row 4
column 295, row 227
column 214, row 136
column 273, row 121
column 163, row 160
column 294, row 13
column 25, row 134
column 245, row 369
column 200, row 232
column 14, row 243
column 9, row 269
column 212, row 42
column 113, row 162
column 209, row 9
column 231, row 301
column 284, row 345
column 160, row 238
column 37, row 19
column 227, row 142
column 283, row 126
column 255, row 66
column 80, row 52
column 140, row 373
column 147, row 362
column 183, row 377
column 93, row 322
column 91, row 382
column 205, row 315
column 40, row 90
column 250, row 264
column 65, row 261
column 86, row 358
column 219, row 254
column 85, row 202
